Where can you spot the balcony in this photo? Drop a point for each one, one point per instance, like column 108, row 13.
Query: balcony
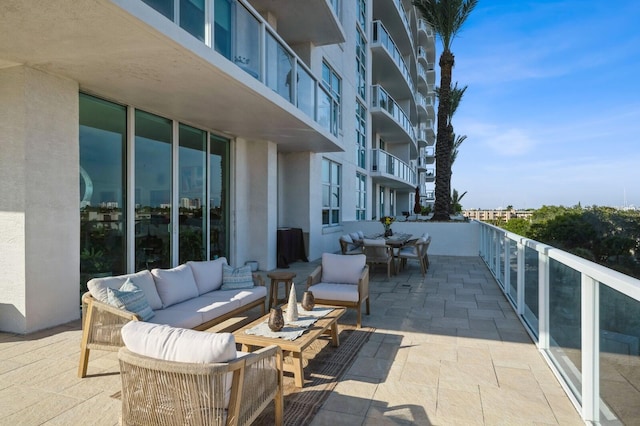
column 396, row 21
column 426, row 39
column 429, row 175
column 467, row 325
column 426, row 136
column 389, row 66
column 426, row 158
column 390, row 121
column 391, row 171
column 425, row 106
column 318, row 23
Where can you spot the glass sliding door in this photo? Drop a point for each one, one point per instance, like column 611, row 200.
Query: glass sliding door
column 102, row 187
column 219, row 197
column 153, row 138
column 192, row 157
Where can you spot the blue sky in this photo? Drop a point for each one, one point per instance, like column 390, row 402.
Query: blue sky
column 552, row 111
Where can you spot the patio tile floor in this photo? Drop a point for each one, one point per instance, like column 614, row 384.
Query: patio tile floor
column 448, row 350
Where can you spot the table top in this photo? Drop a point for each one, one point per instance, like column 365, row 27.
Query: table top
column 398, row 240
column 297, row 345
column 281, row 275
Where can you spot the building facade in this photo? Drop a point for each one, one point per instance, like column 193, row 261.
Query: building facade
column 144, row 133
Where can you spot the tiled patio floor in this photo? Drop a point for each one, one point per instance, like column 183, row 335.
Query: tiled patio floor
column 448, row 349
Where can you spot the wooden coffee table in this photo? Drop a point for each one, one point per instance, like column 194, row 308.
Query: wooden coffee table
column 325, row 325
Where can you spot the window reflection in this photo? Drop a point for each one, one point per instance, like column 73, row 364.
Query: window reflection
column 192, row 194
column 219, row 198
column 102, row 180
column 153, row 191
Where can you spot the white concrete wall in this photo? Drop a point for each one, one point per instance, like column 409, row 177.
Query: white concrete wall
column 255, row 203
column 39, row 201
column 447, row 238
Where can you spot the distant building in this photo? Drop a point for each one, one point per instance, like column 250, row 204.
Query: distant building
column 499, row 214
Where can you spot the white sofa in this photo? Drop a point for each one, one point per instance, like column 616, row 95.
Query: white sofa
column 195, row 295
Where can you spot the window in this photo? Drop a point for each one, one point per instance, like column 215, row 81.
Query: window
column 361, row 64
column 361, row 193
column 362, row 13
column 361, row 135
column 335, row 5
column 333, row 84
column 330, row 193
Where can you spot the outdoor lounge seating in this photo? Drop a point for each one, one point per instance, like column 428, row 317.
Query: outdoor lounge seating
column 351, row 243
column 196, row 295
column 342, row 281
column 173, row 376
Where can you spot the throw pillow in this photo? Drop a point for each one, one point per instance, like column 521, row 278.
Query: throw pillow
column 234, row 279
column 130, row 298
column 340, row 269
column 175, row 285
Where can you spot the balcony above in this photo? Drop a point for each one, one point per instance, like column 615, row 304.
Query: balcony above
column 425, row 134
column 426, row 39
column 390, row 121
column 154, row 64
column 430, row 174
column 391, row 172
column 315, row 22
column 389, row 66
column 395, row 20
column 425, row 107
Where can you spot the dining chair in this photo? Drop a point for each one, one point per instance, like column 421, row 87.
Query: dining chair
column 378, row 252
column 416, row 251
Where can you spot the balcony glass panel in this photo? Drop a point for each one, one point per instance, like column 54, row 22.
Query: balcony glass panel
column 222, row 28
column 381, row 98
column 165, row 7
column 513, row 272
column 324, row 108
column 246, row 42
column 619, row 350
column 279, row 68
column 380, row 35
column 305, row 93
column 192, row 17
column 565, row 328
column 531, row 288
column 383, row 162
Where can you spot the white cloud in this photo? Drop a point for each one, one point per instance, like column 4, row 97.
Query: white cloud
column 508, row 142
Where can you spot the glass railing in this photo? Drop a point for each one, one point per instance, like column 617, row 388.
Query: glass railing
column 381, row 99
column 422, row 73
column 383, row 162
column 584, row 317
column 381, row 36
column 405, row 19
column 424, row 26
column 237, row 31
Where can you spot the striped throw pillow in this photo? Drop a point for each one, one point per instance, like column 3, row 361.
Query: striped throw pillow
column 130, row 298
column 234, row 279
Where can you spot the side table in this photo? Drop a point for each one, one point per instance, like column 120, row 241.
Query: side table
column 276, row 279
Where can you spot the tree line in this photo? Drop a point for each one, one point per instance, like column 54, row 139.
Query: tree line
column 605, row 235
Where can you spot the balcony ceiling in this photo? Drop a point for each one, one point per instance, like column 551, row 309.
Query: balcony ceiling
column 387, row 12
column 303, row 21
column 391, row 131
column 119, row 56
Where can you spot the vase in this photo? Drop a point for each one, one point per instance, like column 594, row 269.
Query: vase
column 388, row 232
column 308, row 301
column 292, row 306
column 276, row 320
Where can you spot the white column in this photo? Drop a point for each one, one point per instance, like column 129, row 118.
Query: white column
column 39, row 201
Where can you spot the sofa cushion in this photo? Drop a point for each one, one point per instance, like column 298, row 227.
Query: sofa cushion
column 347, row 238
column 249, row 295
column 175, row 285
column 143, row 280
column 342, row 269
column 177, row 317
column 361, row 235
column 234, row 279
column 332, row 291
column 129, row 297
column 355, row 236
column 209, row 308
column 208, row 274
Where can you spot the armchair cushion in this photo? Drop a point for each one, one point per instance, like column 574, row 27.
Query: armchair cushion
column 178, row 344
column 208, row 274
column 341, row 269
column 355, row 236
column 143, row 280
column 175, row 285
column 332, row 291
column 129, row 297
column 347, row 238
column 235, row 279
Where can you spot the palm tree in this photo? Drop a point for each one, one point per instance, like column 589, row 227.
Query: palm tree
column 446, row 17
column 455, row 96
column 456, row 207
column 457, row 141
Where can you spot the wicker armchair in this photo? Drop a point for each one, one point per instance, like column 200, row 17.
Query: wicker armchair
column 341, row 281
column 416, row 251
column 378, row 252
column 158, row 392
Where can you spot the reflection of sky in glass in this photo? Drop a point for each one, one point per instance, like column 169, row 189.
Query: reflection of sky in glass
column 153, row 166
column 101, row 157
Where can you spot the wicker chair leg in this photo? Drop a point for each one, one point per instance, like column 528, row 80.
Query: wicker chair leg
column 367, row 302
column 84, row 362
column 359, row 316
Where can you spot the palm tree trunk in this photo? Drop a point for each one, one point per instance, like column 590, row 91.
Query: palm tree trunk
column 442, row 204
